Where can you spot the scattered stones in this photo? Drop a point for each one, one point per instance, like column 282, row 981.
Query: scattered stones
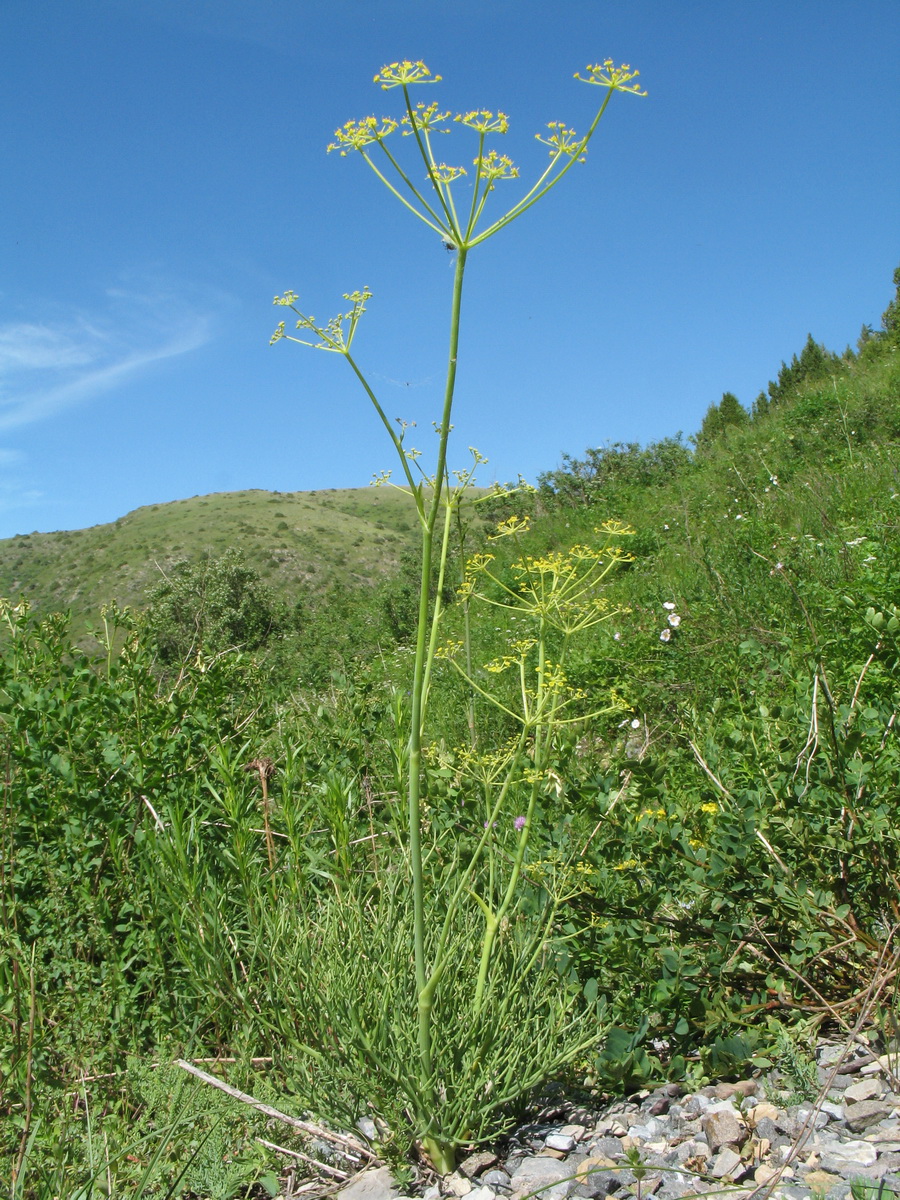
column 684, row 1144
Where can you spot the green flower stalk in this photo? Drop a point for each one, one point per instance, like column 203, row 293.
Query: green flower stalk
column 462, row 223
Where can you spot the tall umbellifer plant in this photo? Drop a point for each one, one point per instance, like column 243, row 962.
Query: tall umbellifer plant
column 456, row 205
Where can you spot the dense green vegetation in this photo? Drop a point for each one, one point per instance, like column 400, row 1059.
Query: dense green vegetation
column 715, row 836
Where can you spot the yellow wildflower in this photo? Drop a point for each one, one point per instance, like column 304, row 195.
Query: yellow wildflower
column 356, row 135
column 617, row 79
column 402, row 74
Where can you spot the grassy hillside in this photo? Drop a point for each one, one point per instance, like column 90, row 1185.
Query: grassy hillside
column 351, row 536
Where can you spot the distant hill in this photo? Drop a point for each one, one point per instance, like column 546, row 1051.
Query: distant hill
column 353, row 536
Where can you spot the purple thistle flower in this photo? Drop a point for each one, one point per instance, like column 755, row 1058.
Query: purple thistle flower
column 519, row 822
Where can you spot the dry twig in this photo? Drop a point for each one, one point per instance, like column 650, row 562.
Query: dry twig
column 328, row 1135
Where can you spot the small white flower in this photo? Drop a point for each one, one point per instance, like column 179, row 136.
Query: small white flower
column 669, row 605
column 635, row 724
column 666, row 635
column 617, row 637
column 779, row 566
column 665, row 527
column 739, row 516
column 674, row 620
column 856, row 541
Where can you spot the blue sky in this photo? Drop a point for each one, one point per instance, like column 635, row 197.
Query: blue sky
column 165, row 175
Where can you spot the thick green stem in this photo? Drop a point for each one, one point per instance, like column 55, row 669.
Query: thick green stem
column 414, row 793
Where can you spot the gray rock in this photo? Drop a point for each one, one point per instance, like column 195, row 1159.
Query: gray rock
column 766, row 1128
column 838, row 1156
column 457, row 1184
column 835, row 1111
column 610, row 1146
column 496, row 1178
column 560, row 1141
column 724, row 1129
column 648, row 1131
column 885, row 1164
column 596, row 1187
column 804, row 1118
column 726, row 1165
column 547, row 1175
column 367, row 1128
column 482, row 1193
column 371, row 1185
column 867, row 1112
column 865, row 1089
column 648, row 1186
column 476, row 1163
column 691, row 1149
column 575, row 1131
column 828, row 1053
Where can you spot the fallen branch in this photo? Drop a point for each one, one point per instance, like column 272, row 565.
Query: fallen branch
column 305, row 1158
column 340, row 1139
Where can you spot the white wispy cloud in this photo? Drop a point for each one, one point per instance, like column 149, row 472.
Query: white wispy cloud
column 50, row 365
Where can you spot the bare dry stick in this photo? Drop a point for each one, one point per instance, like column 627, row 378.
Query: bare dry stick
column 305, row 1158
column 327, row 1135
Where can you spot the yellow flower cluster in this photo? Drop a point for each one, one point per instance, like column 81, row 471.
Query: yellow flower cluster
column 356, row 135
column 402, row 74
column 563, row 141
column 444, row 174
column 332, row 336
column 617, row 79
column 496, row 166
column 449, row 649
column 424, row 117
column 484, row 121
column 509, row 528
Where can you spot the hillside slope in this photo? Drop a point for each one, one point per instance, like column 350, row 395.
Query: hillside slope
column 293, row 539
